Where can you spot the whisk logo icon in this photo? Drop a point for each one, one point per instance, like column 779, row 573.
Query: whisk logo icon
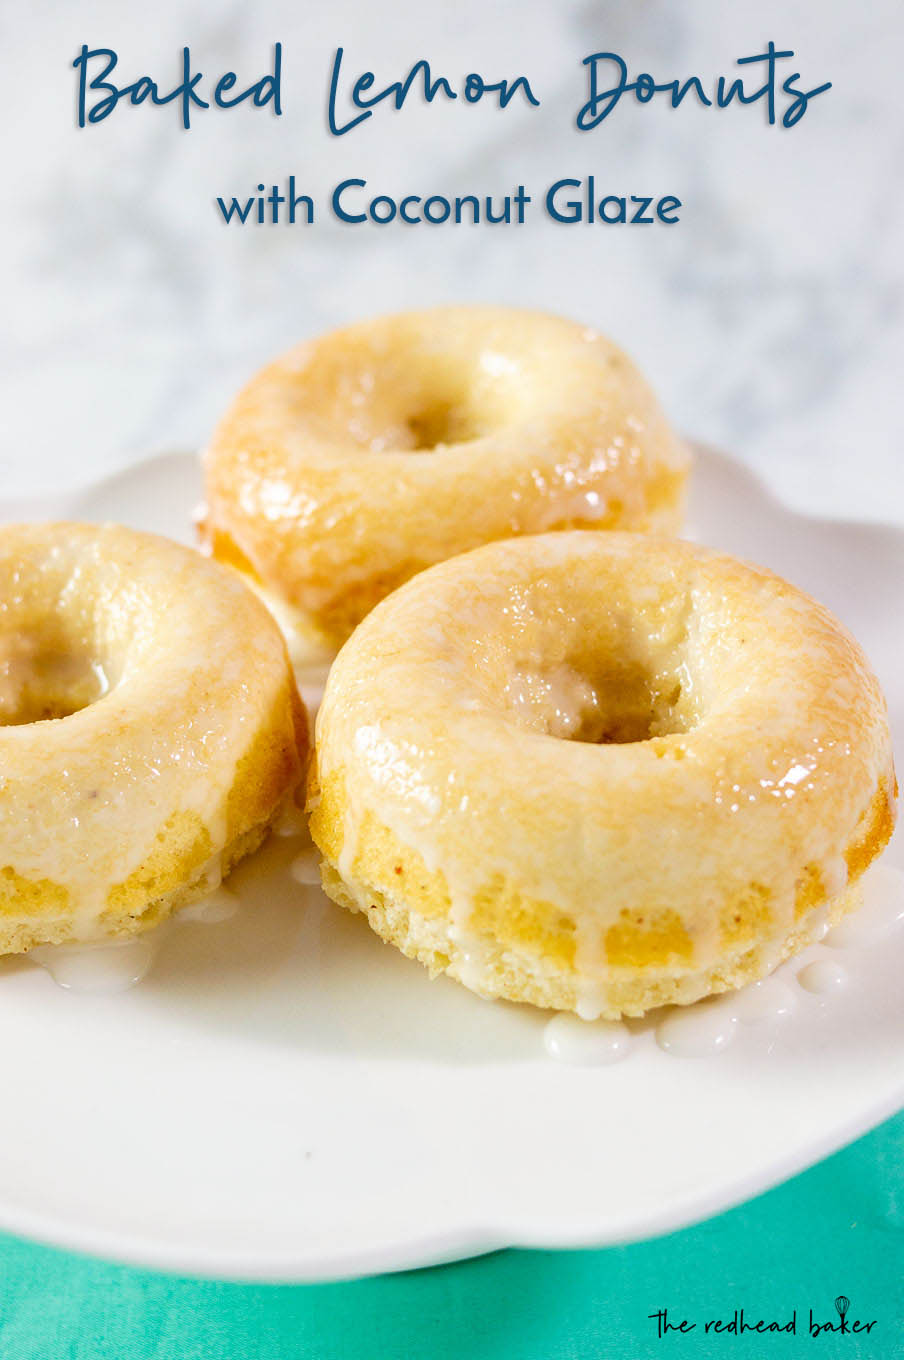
column 842, row 1304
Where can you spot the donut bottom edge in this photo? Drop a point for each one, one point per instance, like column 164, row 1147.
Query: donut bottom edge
column 496, row 971
column 26, row 930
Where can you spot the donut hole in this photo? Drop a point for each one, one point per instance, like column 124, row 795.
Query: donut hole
column 575, row 658
column 46, row 674
column 621, row 704
column 446, row 404
column 634, row 705
column 413, row 396
column 444, row 423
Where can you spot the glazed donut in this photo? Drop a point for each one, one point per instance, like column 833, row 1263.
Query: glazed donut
column 150, row 730
column 600, row 772
column 356, row 460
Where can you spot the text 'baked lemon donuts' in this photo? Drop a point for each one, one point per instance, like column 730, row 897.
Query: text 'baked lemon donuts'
column 600, row 772
column 150, row 730
column 356, row 460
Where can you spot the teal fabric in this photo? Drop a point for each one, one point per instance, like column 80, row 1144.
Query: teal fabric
column 836, row 1230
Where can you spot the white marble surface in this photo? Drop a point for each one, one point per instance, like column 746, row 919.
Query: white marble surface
column 770, row 319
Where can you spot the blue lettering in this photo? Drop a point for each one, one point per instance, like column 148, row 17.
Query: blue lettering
column 338, row 209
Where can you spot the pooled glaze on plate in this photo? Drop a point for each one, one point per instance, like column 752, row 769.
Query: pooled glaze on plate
column 703, row 1029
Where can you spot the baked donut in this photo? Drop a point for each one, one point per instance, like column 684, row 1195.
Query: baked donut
column 356, row 460
column 150, row 730
column 600, row 772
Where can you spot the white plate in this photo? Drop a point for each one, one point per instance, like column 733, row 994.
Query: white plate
column 284, row 1097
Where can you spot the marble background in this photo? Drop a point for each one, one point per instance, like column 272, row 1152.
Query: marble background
column 770, row 319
